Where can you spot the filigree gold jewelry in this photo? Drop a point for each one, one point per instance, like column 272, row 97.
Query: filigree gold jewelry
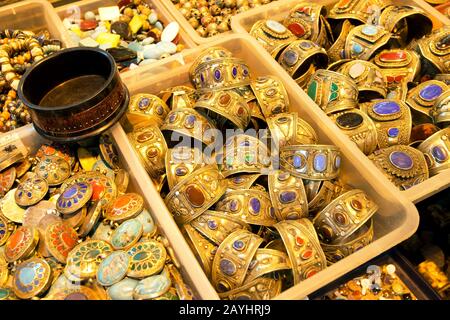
column 444, row 77
column 233, row 259
column 329, row 190
column 363, row 11
column 336, row 51
column 259, row 289
column 437, row 150
column 242, row 181
column 303, row 248
column 272, row 35
column 180, row 162
column 271, row 95
column 288, row 196
column 312, row 162
column 209, row 54
column 266, row 261
column 147, row 107
column 344, row 216
column 441, row 110
column 178, row 97
column 359, row 127
column 32, row 278
column 392, row 120
column 435, row 49
column 203, row 249
column 403, row 165
column 195, row 194
column 364, row 41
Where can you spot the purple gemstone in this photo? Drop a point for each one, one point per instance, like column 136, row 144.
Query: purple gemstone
column 386, row 108
column 393, row 132
column 143, row 103
column 69, row 193
column 287, row 196
column 212, row 224
column 245, row 143
column 306, row 44
column 181, row 171
column 159, row 110
column 202, row 77
column 217, row 75
column 401, row 160
column 227, row 267
column 439, row 153
column 320, row 162
column 190, row 120
column 255, row 204
column 244, row 71
column 172, row 117
column 283, row 176
column 297, row 161
column 337, row 162
column 290, row 57
column 238, row 180
column 234, row 205
column 430, row 92
column 234, row 72
column 238, row 245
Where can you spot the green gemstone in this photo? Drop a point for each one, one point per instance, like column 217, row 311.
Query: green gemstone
column 249, row 157
column 333, row 96
column 334, row 87
column 229, row 161
column 140, row 256
column 312, row 90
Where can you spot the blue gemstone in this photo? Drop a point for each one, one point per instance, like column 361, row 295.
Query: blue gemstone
column 190, row 120
column 430, row 92
column 297, row 161
column 245, row 143
column 386, row 108
column 401, row 160
column 306, row 44
column 159, row 110
column 27, row 275
column 75, row 200
column 234, row 72
column 69, row 193
column 234, row 205
column 29, row 194
column 227, row 267
column 69, row 204
column 181, row 171
column 320, row 162
column 212, row 224
column 287, row 196
column 369, row 30
column 439, row 153
column 2, row 232
column 172, row 117
column 245, row 71
column 337, row 162
column 283, row 176
column 217, row 75
column 290, row 57
column 255, row 205
column 238, row 180
column 238, row 245
column 393, row 132
column 202, row 77
column 356, row 48
column 143, row 103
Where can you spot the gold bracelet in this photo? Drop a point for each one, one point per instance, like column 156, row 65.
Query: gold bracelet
column 329, row 190
column 180, row 162
column 336, row 51
column 259, row 289
column 242, row 181
column 363, row 41
column 271, row 95
column 437, row 150
column 441, row 110
column 360, row 10
column 266, row 261
column 435, row 49
column 147, row 107
column 178, row 97
column 212, row 53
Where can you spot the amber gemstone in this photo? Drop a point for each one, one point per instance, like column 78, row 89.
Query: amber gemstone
column 356, row 204
column 299, row 241
column 145, row 136
column 340, row 218
column 195, row 196
column 225, row 99
column 297, row 29
column 152, row 152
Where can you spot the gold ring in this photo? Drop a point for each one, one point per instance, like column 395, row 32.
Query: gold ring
column 363, row 41
column 441, row 110
column 195, row 194
column 263, row 288
column 212, row 53
column 266, row 261
column 147, row 107
column 344, row 216
column 437, row 151
column 180, row 162
column 271, row 95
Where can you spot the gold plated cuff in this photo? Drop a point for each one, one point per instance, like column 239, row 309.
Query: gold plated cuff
column 437, row 151
column 405, row 166
column 441, row 110
column 336, row 51
column 303, row 248
column 259, row 289
column 272, row 35
column 212, row 53
column 233, row 259
column 242, row 181
column 147, row 107
column 271, row 95
column 178, row 97
column 358, row 127
column 364, row 41
column 266, row 261
column 329, row 190
column 225, row 108
column 180, row 162
column 422, row 98
column 392, row 120
column 150, row 145
column 344, row 216
column 195, row 194
column 435, row 49
column 360, row 10
column 312, row 162
column 253, row 206
column 288, row 196
column 333, row 91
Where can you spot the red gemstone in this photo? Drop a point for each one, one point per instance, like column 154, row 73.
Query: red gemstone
column 307, row 254
column 86, row 25
column 356, row 204
column 396, row 79
column 297, row 29
column 299, row 241
column 393, row 56
column 309, row 274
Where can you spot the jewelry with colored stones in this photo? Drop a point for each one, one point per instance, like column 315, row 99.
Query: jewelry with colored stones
column 233, row 259
column 195, row 194
column 79, row 292
column 202, row 248
column 210, row 54
column 288, row 196
column 359, row 127
column 53, row 169
column 178, row 97
column 435, row 51
column 300, row 54
column 108, row 151
column 368, row 78
column 56, row 149
column 152, row 287
column 422, row 98
column 5, row 229
column 259, row 289
column 180, row 162
column 271, row 95
column 437, row 151
column 31, row 191
column 113, row 268
column 328, row 191
column 441, row 110
column 333, row 91
column 303, row 248
column 74, row 197
column 189, row 123
column 336, row 51
column 242, row 181
column 216, row 226
column 147, row 107
column 227, row 109
column 21, row 243
column 360, row 10
column 266, row 261
column 392, row 120
column 126, row 235
column 361, row 238
column 22, row 167
column 252, row 206
column 312, row 162
column 10, row 209
column 363, row 41
column 181, row 289
column 84, row 259
column 146, row 258
column 32, row 278
column 60, row 240
column 7, row 179
column 344, row 216
column 124, row 207
column 151, row 148
column 272, row 35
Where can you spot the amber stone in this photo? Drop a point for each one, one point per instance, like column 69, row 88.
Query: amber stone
column 356, row 204
column 152, row 152
column 195, row 196
column 423, row 131
column 225, row 99
column 340, row 218
column 145, row 136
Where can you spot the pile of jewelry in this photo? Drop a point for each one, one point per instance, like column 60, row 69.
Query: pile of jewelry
column 70, row 230
column 379, row 72
column 131, row 32
column 258, row 198
column 18, row 50
column 379, row 283
column 212, row 17
column 435, row 277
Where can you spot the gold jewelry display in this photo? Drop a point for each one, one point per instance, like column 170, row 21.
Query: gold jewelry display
column 212, row 53
column 392, row 120
column 437, row 151
column 312, row 162
column 203, row 249
column 195, row 194
column 360, row 10
column 441, row 110
column 333, row 91
column 259, row 289
column 364, row 41
column 272, row 35
column 178, row 97
column 271, row 95
column 288, row 196
column 180, row 162
column 266, row 261
column 344, row 216
column 435, row 49
column 359, row 127
column 422, row 98
column 336, row 51
column 233, row 259
column 252, row 206
column 147, row 107
column 303, row 248
column 403, row 165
